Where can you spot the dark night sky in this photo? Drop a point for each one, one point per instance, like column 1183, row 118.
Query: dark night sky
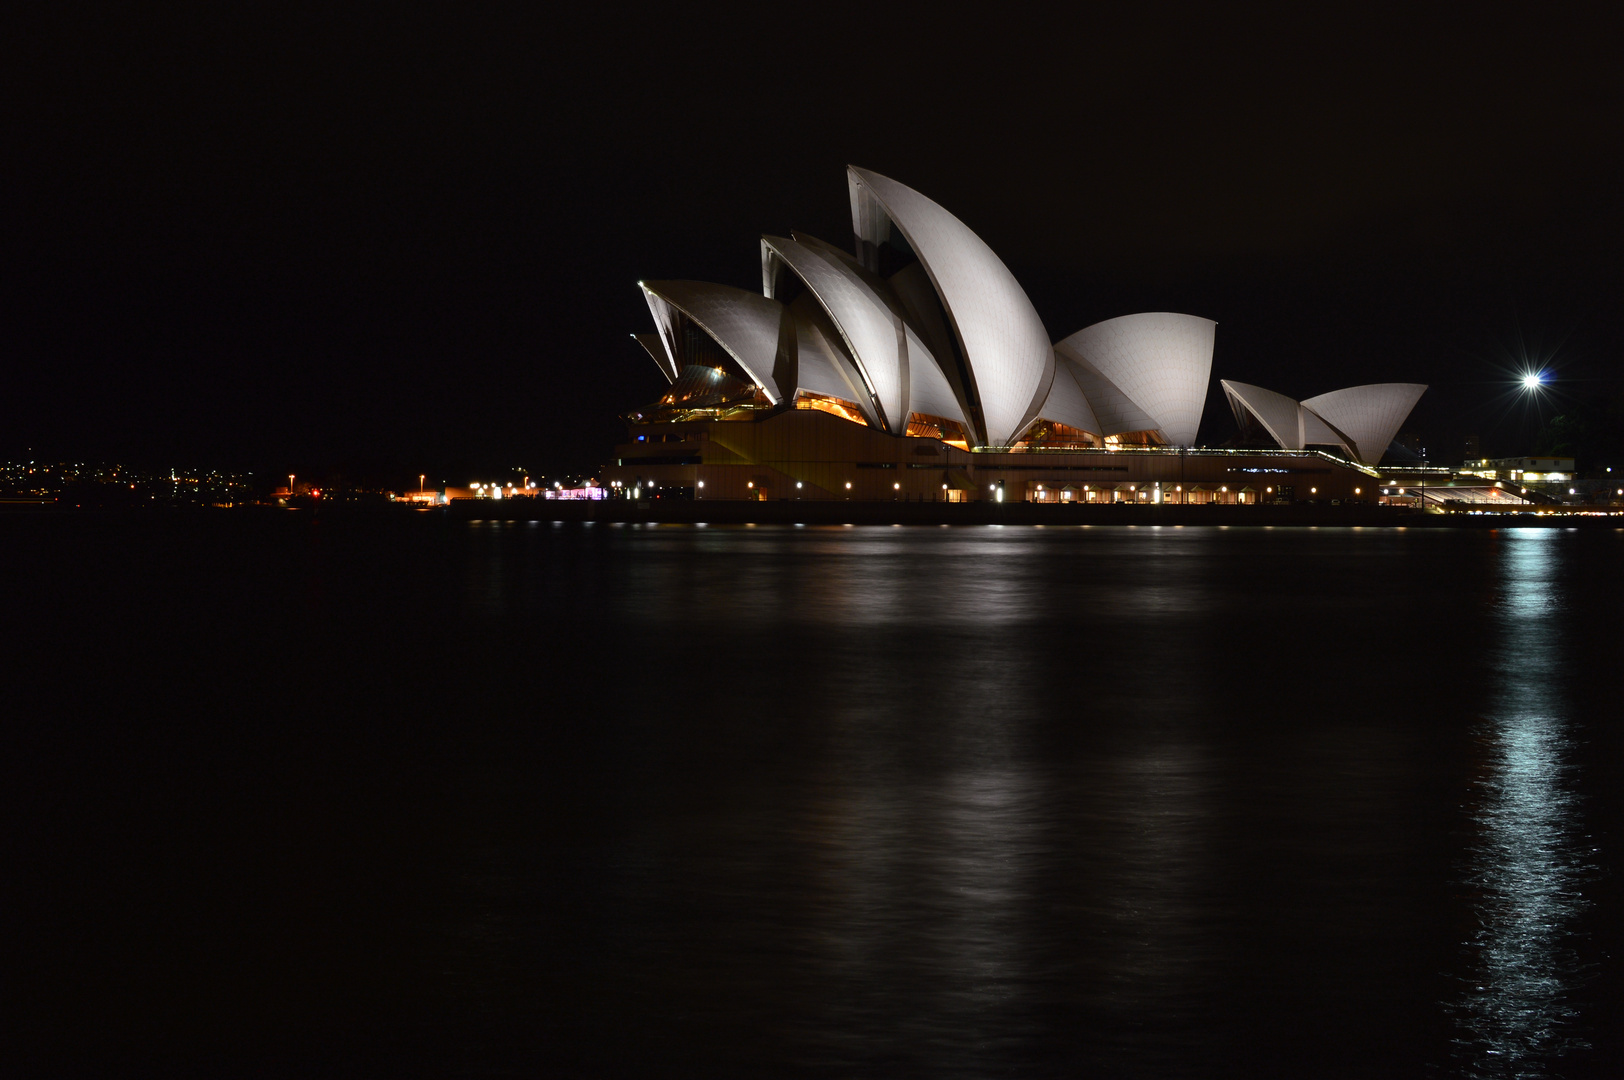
column 255, row 236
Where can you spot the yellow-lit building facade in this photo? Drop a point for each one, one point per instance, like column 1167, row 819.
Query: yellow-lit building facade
column 804, row 453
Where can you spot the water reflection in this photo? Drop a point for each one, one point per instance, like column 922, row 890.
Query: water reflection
column 982, row 908
column 927, row 814
column 1527, row 862
column 920, row 941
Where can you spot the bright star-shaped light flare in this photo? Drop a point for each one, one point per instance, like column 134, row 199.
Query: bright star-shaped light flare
column 1532, row 380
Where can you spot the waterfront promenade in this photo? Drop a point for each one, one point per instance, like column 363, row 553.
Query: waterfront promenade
column 821, row 512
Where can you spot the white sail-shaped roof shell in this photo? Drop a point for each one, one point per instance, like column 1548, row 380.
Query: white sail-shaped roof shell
column 1372, row 415
column 1280, row 416
column 1067, row 404
column 928, row 389
column 874, row 335
column 822, row 365
column 1316, row 432
column 1001, row 336
column 1369, row 415
column 749, row 326
column 932, row 391
column 1161, row 360
column 1115, row 412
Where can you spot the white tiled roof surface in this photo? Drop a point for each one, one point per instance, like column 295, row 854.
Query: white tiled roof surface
column 1114, row 410
column 744, row 323
column 1369, row 415
column 1317, row 432
column 1067, row 404
column 1280, row 416
column 928, row 389
column 872, row 332
column 1161, row 360
column 823, row 368
column 1003, row 339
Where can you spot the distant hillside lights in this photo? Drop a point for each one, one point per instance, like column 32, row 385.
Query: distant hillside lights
column 524, row 488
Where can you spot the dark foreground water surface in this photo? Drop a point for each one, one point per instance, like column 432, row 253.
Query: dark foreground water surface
column 289, row 796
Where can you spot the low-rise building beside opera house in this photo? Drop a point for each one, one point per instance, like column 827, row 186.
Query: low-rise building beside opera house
column 915, row 368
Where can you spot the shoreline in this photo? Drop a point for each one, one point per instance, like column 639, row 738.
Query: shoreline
column 819, row 512
column 720, row 512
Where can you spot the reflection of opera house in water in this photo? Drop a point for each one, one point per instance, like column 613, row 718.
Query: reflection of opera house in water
column 917, row 369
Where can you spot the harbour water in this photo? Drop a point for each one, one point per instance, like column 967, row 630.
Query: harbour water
column 291, row 794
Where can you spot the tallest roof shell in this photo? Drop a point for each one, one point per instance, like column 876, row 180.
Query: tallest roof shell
column 999, row 332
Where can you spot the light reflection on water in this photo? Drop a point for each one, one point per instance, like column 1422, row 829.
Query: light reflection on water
column 1028, row 802
column 907, row 875
column 593, row 801
column 1530, row 859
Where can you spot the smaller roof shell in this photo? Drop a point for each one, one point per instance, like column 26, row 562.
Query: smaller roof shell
column 1115, row 411
column 750, row 327
column 873, row 334
column 1370, row 415
column 822, row 365
column 1160, row 360
column 1067, row 404
column 1361, row 419
column 1277, row 414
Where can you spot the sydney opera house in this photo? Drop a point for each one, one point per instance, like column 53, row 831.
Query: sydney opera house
column 915, row 367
